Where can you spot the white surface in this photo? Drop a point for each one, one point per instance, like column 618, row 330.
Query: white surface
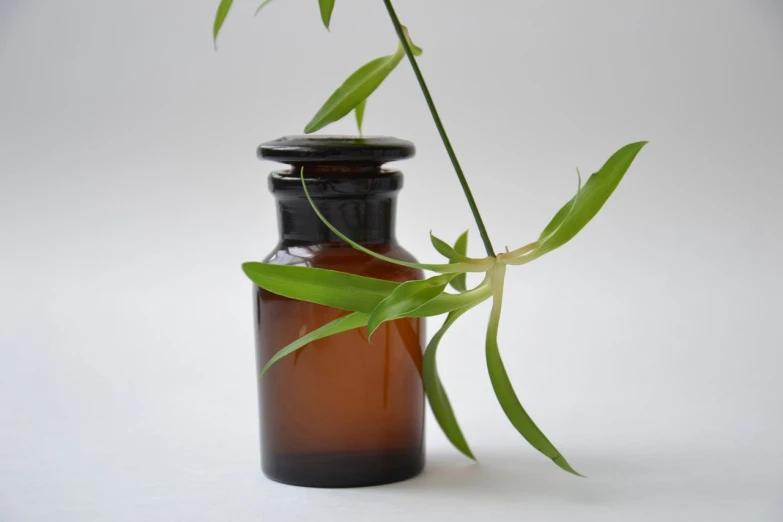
column 648, row 349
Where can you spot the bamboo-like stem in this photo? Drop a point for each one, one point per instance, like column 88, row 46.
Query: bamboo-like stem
column 441, row 130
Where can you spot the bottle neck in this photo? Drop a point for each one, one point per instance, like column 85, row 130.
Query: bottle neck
column 361, row 205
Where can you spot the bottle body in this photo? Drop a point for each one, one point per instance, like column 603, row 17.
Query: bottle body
column 339, row 412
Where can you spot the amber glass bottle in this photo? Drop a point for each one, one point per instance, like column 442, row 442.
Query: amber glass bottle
column 340, row 412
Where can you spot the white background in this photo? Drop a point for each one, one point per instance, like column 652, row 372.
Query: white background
column 648, row 349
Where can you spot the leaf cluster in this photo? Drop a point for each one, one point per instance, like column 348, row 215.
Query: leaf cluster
column 371, row 302
column 375, row 301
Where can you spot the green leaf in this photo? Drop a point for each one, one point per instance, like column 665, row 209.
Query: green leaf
column 578, row 212
column 406, row 298
column 346, row 291
column 562, row 217
column 339, row 325
column 415, row 49
column 357, row 88
column 353, row 91
column 223, row 8
column 446, row 250
column 461, row 244
column 359, row 111
column 518, row 256
column 436, row 394
column 316, row 285
column 326, row 6
column 460, row 283
column 263, row 4
column 479, row 265
column 504, row 391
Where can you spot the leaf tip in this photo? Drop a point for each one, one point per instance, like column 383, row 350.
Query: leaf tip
column 326, row 7
column 263, row 372
column 215, row 32
column 372, row 325
column 561, row 462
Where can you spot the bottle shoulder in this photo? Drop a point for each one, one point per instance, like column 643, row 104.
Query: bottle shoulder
column 344, row 258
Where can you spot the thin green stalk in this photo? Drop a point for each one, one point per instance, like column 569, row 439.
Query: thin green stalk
column 441, row 130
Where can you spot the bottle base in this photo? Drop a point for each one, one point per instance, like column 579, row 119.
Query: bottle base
column 343, row 470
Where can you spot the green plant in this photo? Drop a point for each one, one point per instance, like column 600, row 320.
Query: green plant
column 373, row 301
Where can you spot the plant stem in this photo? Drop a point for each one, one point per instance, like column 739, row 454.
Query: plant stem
column 441, row 130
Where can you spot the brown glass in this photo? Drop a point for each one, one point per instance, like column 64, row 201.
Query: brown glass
column 339, row 412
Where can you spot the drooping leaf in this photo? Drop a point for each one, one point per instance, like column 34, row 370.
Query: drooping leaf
column 222, row 11
column 447, row 250
column 406, row 298
column 436, row 394
column 575, row 214
column 460, row 283
column 339, row 325
column 346, row 291
column 359, row 111
column 263, row 4
column 501, row 383
column 326, row 6
column 358, row 87
column 478, row 265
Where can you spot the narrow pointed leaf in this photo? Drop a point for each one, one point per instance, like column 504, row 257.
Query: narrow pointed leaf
column 452, row 268
column 353, row 91
column 461, row 244
column 460, row 281
column 447, row 250
column 358, row 87
column 406, row 298
column 263, row 4
column 326, row 6
column 578, row 212
column 339, row 325
column 326, row 287
column 436, row 394
column 563, row 216
column 501, row 383
column 359, row 111
column 519, row 256
column 222, row 11
column 346, row 291
column 592, row 197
